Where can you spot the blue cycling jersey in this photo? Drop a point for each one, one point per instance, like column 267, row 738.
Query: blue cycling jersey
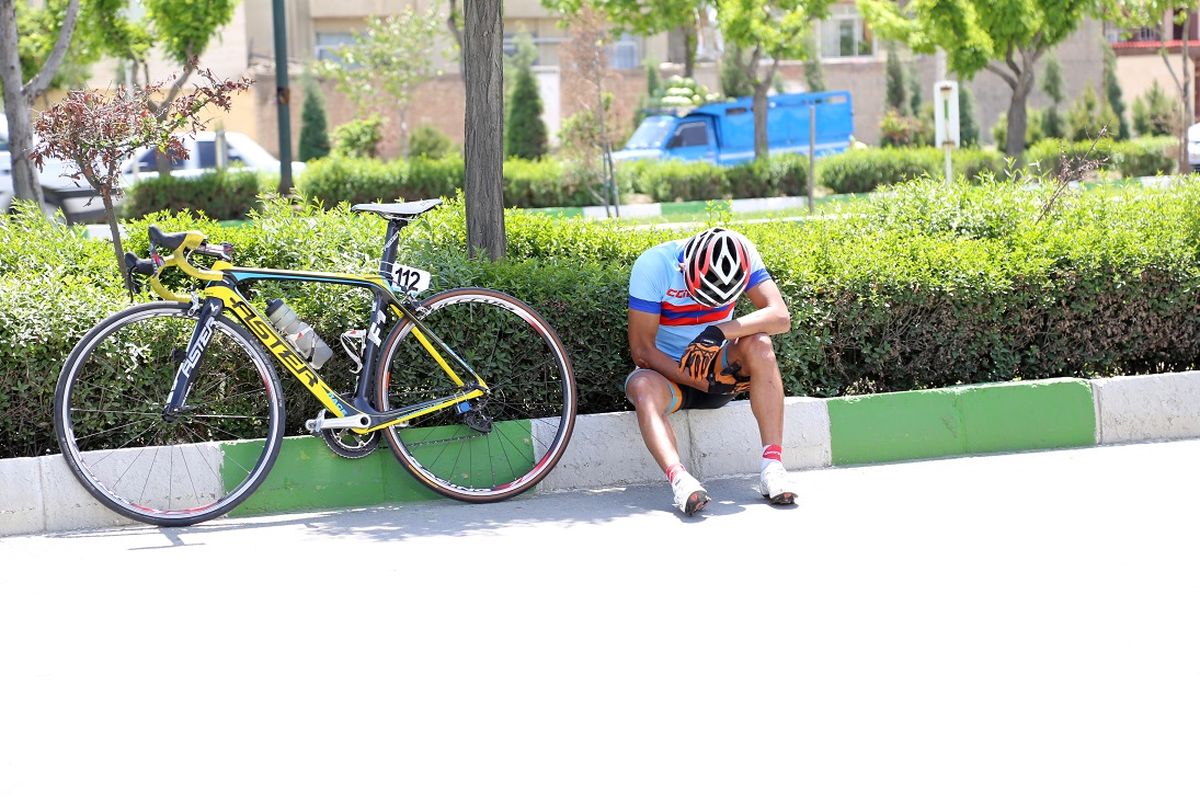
column 656, row 286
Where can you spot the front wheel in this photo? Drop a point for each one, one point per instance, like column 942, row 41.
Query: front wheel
column 498, row 445
column 168, row 469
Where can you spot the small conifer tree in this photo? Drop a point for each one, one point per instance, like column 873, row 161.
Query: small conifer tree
column 896, row 96
column 1112, row 93
column 314, row 129
column 1052, row 84
column 968, row 125
column 524, row 131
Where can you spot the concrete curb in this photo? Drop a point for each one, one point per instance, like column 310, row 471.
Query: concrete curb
column 41, row 495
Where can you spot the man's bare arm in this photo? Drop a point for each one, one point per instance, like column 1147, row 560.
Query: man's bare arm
column 643, row 327
column 771, row 315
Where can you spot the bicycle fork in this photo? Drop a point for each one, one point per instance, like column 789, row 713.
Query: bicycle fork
column 206, row 322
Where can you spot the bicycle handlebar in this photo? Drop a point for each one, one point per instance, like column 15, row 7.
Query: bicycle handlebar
column 181, row 246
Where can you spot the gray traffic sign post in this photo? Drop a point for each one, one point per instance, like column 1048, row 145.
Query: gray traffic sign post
column 945, row 119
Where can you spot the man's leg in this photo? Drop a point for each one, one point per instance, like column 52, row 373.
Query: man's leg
column 653, row 397
column 756, row 356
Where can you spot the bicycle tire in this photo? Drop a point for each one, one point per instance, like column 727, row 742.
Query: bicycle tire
column 120, row 375
column 530, row 407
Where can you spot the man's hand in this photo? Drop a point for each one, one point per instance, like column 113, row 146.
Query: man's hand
column 699, row 356
column 730, row 380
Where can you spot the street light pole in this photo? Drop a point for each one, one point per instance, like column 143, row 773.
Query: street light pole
column 283, row 105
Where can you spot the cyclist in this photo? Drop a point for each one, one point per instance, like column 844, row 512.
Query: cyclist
column 691, row 352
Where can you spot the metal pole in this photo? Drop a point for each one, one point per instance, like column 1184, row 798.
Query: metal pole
column 812, row 152
column 283, row 105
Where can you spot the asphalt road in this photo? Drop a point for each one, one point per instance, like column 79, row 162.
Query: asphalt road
column 1021, row 626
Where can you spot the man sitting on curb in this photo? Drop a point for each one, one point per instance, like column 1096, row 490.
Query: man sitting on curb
column 691, row 352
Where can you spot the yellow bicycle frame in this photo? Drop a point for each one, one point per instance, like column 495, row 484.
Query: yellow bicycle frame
column 221, row 284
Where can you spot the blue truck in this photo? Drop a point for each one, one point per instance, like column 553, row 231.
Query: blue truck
column 723, row 133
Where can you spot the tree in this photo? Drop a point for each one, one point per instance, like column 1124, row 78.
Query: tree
column 183, row 32
column 914, row 90
column 525, row 131
column 1088, row 116
column 1112, row 92
column 814, row 73
column 1052, row 84
column 775, row 30
column 646, row 17
column 1154, row 114
column 98, row 132
column 19, row 93
column 968, row 125
column 392, row 56
column 734, row 81
column 1004, row 37
column 896, row 93
column 314, row 128
column 483, row 185
column 585, row 135
column 1163, row 16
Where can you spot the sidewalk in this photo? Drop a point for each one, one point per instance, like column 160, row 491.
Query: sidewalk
column 41, row 495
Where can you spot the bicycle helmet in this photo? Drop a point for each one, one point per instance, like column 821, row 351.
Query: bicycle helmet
column 716, row 266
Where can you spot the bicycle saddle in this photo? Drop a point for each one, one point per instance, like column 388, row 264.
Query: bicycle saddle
column 165, row 241
column 398, row 211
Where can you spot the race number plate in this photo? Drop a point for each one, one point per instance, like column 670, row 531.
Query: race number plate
column 410, row 280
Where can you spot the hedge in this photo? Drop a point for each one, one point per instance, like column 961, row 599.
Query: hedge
column 1151, row 155
column 926, row 286
column 225, row 194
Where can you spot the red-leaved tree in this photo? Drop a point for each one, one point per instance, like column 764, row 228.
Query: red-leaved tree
column 99, row 131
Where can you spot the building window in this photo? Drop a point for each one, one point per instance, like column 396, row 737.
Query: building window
column 845, row 34
column 329, row 43
column 625, row 53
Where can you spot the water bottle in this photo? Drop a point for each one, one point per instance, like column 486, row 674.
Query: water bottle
column 299, row 333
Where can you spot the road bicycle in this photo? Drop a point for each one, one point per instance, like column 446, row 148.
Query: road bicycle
column 172, row 412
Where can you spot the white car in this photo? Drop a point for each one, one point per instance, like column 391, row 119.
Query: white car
column 60, row 192
column 242, row 152
column 1194, row 146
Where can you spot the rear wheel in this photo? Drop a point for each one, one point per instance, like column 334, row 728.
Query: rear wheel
column 199, row 464
column 498, row 445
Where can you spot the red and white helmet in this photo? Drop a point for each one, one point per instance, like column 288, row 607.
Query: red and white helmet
column 716, row 266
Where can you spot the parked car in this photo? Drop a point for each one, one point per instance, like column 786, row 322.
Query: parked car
column 723, row 133
column 242, row 152
column 60, row 192
column 1194, row 146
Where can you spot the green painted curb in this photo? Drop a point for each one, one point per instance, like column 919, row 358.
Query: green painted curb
column 307, row 475
column 987, row 418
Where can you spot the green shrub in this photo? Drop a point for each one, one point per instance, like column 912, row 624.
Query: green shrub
column 924, row 286
column 670, row 181
column 352, row 180
column 776, row 176
column 223, row 194
column 427, row 141
column 1152, row 155
column 358, row 138
column 864, row 170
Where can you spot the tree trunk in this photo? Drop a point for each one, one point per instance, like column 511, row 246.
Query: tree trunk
column 689, row 50
column 483, row 35
column 16, row 108
column 1189, row 104
column 761, row 87
column 1018, row 119
column 110, row 212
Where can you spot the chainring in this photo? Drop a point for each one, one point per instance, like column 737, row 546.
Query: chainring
column 348, row 444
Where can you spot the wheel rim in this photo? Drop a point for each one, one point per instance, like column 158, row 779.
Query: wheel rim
column 504, row 442
column 198, row 464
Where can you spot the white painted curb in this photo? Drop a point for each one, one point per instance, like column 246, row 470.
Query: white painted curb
column 1147, row 407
